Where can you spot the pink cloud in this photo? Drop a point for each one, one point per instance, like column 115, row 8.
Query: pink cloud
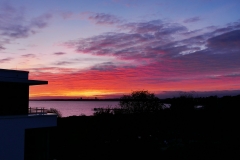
column 59, row 53
column 4, row 60
column 28, row 55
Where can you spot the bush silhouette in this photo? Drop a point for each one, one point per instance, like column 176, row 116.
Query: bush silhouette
column 54, row 110
column 103, row 111
column 184, row 103
column 140, row 102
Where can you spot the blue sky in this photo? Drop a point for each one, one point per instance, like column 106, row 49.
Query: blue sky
column 112, row 47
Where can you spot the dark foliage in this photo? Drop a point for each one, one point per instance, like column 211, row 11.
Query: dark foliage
column 137, row 103
column 140, row 102
column 207, row 133
column 103, row 111
column 54, row 110
column 184, row 103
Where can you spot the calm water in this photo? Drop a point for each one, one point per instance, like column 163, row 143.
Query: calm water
column 70, row 108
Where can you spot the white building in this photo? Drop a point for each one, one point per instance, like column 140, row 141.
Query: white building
column 15, row 118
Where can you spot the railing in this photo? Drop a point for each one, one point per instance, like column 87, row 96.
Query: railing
column 37, row 110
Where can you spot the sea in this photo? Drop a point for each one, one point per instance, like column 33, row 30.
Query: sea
column 73, row 108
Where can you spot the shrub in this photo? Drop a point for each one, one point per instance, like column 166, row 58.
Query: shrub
column 184, row 103
column 103, row 111
column 54, row 110
column 139, row 102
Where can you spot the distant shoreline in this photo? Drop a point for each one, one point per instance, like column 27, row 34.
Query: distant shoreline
column 74, row 99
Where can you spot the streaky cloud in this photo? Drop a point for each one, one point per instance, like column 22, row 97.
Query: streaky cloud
column 166, row 53
column 14, row 24
column 192, row 20
column 60, row 63
column 229, row 40
column 41, row 21
column 141, row 38
column 28, row 55
column 104, row 66
column 5, row 60
column 103, row 18
column 2, row 48
column 59, row 53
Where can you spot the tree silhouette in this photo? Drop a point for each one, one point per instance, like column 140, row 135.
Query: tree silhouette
column 140, row 102
column 184, row 103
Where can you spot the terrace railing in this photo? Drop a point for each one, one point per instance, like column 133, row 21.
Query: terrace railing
column 39, row 111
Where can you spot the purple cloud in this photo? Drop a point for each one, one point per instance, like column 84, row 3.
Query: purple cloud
column 1, row 47
column 13, row 23
column 5, row 60
column 169, row 50
column 60, row 63
column 156, row 27
column 41, row 21
column 28, row 56
column 103, row 18
column 191, row 20
column 59, row 53
column 106, row 66
column 142, row 40
column 229, row 41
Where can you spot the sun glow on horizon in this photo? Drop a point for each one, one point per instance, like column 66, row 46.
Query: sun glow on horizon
column 77, row 94
column 90, row 93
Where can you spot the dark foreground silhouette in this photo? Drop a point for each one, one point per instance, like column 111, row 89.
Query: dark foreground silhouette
column 180, row 132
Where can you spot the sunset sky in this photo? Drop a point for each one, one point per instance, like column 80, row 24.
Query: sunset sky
column 107, row 48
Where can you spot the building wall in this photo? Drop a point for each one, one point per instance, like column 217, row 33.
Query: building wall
column 14, row 98
column 12, row 133
column 14, row 74
column 37, row 143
